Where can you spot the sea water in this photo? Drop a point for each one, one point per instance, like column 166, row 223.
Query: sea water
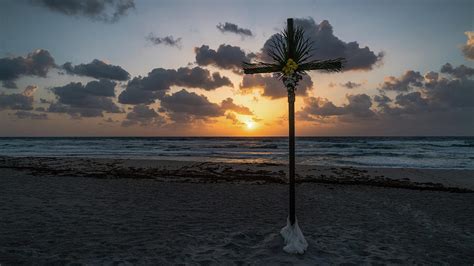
column 411, row 152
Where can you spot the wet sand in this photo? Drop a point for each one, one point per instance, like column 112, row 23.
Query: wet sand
column 258, row 173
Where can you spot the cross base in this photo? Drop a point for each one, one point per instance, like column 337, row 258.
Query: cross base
column 295, row 243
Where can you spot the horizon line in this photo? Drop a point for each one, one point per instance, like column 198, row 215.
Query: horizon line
column 246, row 136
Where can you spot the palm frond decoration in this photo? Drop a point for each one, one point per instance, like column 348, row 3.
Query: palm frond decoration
column 301, row 54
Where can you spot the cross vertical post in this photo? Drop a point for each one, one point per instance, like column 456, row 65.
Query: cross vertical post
column 291, row 130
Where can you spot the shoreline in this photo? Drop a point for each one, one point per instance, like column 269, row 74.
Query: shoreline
column 451, row 180
column 186, row 159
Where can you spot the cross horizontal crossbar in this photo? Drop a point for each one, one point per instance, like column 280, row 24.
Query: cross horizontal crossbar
column 331, row 65
column 260, row 68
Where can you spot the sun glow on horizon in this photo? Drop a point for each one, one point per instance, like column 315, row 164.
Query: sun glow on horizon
column 250, row 124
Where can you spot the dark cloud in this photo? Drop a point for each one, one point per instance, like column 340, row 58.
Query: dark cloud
column 450, row 93
column 145, row 90
column 233, row 28
column 45, row 101
column 226, row 57
column 351, row 85
column 273, row 87
column 461, row 71
column 431, row 76
column 358, row 107
column 228, row 104
column 232, row 117
column 184, row 106
column 100, row 10
column 144, row 116
column 30, row 115
column 441, row 103
column 411, row 102
column 97, row 69
column 433, row 93
column 328, row 46
column 137, row 93
column 407, row 82
column 36, row 63
column 90, row 100
column 167, row 40
column 110, row 120
column 317, row 106
column 18, row 101
column 382, row 100
column 9, row 84
column 468, row 48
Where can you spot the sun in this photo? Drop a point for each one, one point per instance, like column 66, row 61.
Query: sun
column 250, row 124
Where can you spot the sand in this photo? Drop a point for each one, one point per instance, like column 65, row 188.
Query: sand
column 49, row 216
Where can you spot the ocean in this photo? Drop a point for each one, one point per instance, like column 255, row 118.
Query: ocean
column 405, row 152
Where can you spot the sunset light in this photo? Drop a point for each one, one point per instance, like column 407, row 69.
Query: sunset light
column 222, row 132
column 249, row 124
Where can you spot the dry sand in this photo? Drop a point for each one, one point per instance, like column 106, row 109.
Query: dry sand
column 65, row 216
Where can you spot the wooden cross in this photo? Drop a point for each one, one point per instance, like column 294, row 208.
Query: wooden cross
column 290, row 51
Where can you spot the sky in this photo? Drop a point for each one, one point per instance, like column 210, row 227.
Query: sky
column 173, row 68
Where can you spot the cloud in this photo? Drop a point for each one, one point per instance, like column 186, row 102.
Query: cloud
column 273, row 87
column 407, row 82
column 18, row 101
column 439, row 104
column 167, row 40
column 233, row 118
column 317, row 108
column 30, row 115
column 45, row 101
column 468, row 48
column 448, row 93
column 30, row 91
column 97, row 69
column 328, row 46
column 228, row 104
column 433, row 93
column 9, row 84
column 145, row 90
column 411, row 102
column 144, row 116
column 431, row 76
column 90, row 100
column 99, row 10
column 184, row 106
column 351, row 85
column 226, row 57
column 36, row 63
column 444, row 108
column 233, row 28
column 382, row 100
column 359, row 105
column 461, row 71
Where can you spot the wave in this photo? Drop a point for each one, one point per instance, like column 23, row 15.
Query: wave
column 468, row 145
column 416, row 152
column 266, row 146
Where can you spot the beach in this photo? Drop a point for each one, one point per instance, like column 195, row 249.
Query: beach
column 236, row 132
column 95, row 211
